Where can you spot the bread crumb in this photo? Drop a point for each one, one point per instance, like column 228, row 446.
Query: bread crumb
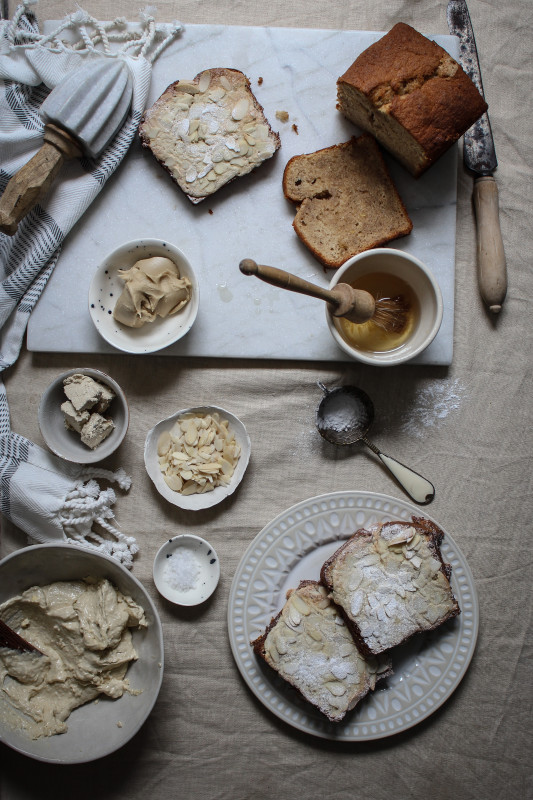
column 210, row 210
column 283, row 116
column 295, row 128
column 259, row 81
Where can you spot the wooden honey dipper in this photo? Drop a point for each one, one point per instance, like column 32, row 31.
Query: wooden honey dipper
column 355, row 305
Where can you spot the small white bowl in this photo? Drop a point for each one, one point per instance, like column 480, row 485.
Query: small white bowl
column 190, row 592
column 95, row 729
column 196, row 502
column 425, row 287
column 106, row 287
column 66, row 443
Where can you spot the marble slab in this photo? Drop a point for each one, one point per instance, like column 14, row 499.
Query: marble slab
column 242, row 317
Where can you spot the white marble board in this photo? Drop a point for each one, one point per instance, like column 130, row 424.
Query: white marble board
column 242, row 317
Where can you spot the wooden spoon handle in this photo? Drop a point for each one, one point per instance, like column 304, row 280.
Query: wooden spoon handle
column 492, row 269
column 284, row 280
column 31, row 183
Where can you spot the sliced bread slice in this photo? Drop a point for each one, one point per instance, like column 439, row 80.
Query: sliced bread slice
column 309, row 646
column 208, row 131
column 391, row 583
column 347, row 201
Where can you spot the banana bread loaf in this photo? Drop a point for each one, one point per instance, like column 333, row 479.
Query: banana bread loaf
column 411, row 95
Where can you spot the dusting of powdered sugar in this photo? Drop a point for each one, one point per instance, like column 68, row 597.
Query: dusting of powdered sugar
column 431, row 406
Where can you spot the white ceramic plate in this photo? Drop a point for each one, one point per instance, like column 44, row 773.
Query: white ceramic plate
column 106, row 287
column 291, row 548
column 66, row 443
column 94, row 729
column 209, row 567
column 195, row 502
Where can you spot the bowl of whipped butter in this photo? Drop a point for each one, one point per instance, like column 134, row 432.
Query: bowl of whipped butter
column 144, row 296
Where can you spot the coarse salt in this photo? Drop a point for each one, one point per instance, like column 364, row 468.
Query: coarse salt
column 182, row 570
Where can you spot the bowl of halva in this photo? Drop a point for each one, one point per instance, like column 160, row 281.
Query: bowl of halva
column 83, row 415
column 97, row 627
column 144, row 296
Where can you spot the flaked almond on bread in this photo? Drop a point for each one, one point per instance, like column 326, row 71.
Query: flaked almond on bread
column 309, row 645
column 391, row 582
column 411, row 95
column 208, row 131
column 347, row 201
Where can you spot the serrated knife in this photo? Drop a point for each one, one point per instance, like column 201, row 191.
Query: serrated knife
column 480, row 157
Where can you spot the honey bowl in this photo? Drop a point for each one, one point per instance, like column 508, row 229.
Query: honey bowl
column 385, row 272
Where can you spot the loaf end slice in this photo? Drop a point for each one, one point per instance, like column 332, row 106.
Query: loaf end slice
column 391, row 583
column 411, row 95
column 208, row 131
column 309, row 646
column 347, row 201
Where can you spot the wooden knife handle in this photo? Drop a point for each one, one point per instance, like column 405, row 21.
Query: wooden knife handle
column 492, row 269
column 33, row 180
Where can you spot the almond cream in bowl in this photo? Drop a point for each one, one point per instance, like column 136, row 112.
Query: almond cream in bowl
column 385, row 272
column 144, row 296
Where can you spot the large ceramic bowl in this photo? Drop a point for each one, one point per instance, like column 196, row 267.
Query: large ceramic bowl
column 428, row 299
column 106, row 287
column 196, row 502
column 67, row 443
column 93, row 729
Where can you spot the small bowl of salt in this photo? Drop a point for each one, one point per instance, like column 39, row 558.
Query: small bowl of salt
column 186, row 570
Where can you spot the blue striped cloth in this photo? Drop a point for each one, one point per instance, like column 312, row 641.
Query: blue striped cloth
column 41, row 494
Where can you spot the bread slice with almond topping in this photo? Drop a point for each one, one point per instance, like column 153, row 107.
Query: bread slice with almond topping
column 391, row 582
column 208, row 131
column 310, row 647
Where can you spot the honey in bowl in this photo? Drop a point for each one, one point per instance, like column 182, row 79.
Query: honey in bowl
column 370, row 337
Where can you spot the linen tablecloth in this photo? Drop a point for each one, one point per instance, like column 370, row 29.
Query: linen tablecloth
column 467, row 427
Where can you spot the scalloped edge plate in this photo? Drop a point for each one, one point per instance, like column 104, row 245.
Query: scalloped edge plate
column 292, row 547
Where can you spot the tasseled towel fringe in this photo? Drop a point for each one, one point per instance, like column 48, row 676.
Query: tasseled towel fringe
column 89, row 33
column 86, row 505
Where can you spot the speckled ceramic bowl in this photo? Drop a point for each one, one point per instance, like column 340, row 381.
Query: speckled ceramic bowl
column 196, row 575
column 106, row 287
column 67, row 443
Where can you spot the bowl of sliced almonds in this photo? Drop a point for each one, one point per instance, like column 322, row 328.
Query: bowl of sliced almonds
column 197, row 457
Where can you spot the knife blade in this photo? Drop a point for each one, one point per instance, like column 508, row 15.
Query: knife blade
column 479, row 156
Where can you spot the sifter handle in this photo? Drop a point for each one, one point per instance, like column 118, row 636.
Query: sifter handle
column 32, row 181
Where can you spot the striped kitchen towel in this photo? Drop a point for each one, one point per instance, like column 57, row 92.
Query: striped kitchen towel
column 31, row 65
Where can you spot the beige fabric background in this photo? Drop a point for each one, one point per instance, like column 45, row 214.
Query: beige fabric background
column 467, row 427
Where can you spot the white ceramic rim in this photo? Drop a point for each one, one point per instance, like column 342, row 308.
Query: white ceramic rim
column 153, row 336
column 196, row 502
column 148, row 605
column 83, row 454
column 403, row 353
column 173, row 595
column 427, row 670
